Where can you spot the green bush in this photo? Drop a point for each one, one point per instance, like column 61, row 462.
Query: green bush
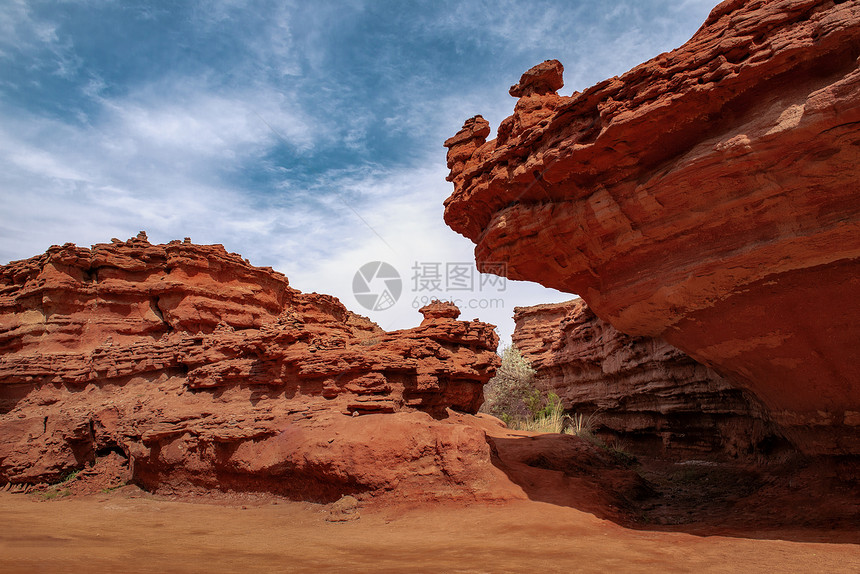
column 552, row 406
column 512, row 396
column 550, row 419
column 507, row 395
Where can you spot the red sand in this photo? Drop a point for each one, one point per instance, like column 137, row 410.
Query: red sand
column 131, row 531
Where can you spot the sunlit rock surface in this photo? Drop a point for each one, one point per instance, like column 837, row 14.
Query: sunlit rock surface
column 206, row 372
column 708, row 197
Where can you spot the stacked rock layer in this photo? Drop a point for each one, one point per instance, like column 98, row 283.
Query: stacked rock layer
column 652, row 397
column 204, row 371
column 708, row 196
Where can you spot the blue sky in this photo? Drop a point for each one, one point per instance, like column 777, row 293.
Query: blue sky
column 306, row 136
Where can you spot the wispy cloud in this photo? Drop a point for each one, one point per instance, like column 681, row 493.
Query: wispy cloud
column 306, row 136
column 404, row 206
column 157, row 159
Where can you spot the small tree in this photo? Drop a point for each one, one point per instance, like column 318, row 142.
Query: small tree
column 507, row 394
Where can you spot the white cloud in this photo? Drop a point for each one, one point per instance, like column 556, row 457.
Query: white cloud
column 187, row 115
column 168, row 155
column 156, row 159
column 17, row 27
column 593, row 40
column 404, row 207
column 66, row 196
column 20, row 32
column 37, row 161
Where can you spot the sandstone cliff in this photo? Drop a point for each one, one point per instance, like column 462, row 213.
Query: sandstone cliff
column 204, row 371
column 648, row 394
column 708, row 196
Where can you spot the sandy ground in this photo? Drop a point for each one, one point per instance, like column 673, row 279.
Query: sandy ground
column 131, row 531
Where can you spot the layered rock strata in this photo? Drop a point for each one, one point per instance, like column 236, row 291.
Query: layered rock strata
column 204, row 371
column 652, row 397
column 708, row 196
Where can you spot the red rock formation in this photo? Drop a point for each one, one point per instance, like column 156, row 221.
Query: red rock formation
column 208, row 372
column 646, row 392
column 708, row 196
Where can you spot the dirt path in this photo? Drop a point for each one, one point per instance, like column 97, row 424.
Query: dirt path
column 129, row 531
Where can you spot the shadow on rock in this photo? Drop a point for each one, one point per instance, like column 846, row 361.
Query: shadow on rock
column 798, row 498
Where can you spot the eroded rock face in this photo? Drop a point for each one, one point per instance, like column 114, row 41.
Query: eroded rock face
column 708, row 196
column 208, row 372
column 653, row 397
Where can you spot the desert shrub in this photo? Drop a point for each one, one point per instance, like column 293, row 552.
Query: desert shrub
column 618, row 449
column 507, row 394
column 71, row 476
column 534, row 403
column 512, row 396
column 550, row 418
column 60, row 488
column 582, row 426
column 552, row 407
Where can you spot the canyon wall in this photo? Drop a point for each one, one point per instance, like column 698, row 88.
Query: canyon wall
column 708, row 197
column 203, row 371
column 644, row 392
